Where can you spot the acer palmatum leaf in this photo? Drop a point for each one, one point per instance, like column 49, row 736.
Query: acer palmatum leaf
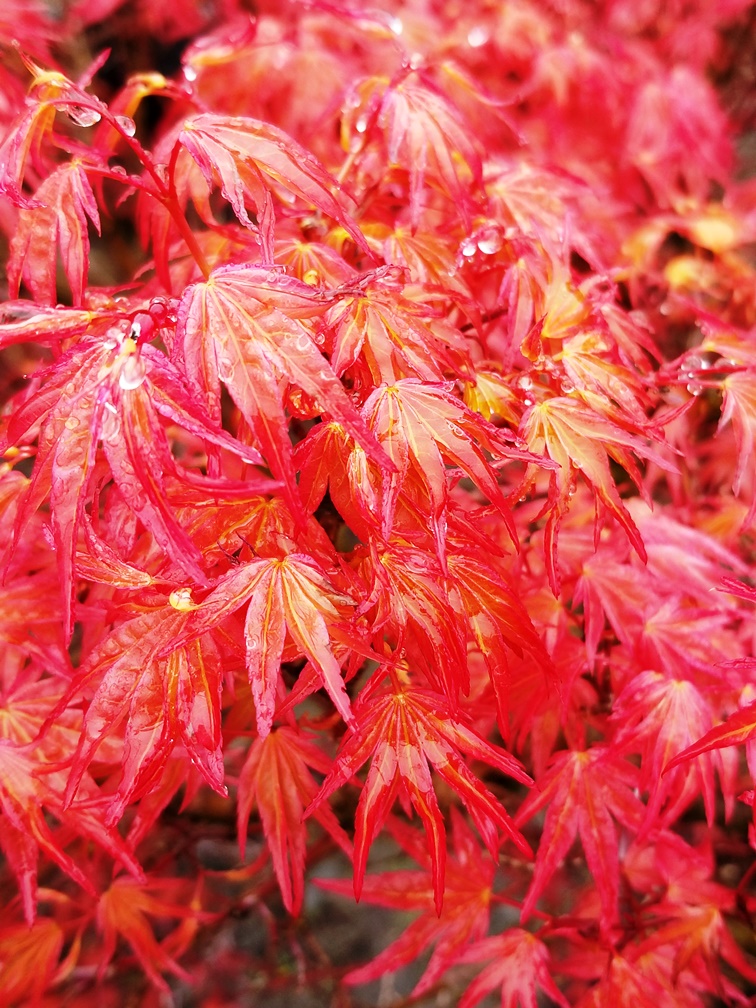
column 739, row 408
column 739, row 728
column 276, row 779
column 249, row 159
column 521, row 964
column 580, row 440
column 113, row 394
column 499, row 623
column 659, row 716
column 58, row 216
column 232, row 330
column 411, row 604
column 406, row 730
column 30, row 958
column 425, row 429
column 127, row 682
column 290, row 595
column 123, row 913
column 585, row 792
column 464, row 917
column 421, row 133
column 383, row 336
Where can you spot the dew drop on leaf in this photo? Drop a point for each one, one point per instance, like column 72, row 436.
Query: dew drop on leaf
column 190, row 73
column 490, row 241
column 477, row 37
column 132, row 373
column 468, row 247
column 82, row 116
column 126, row 124
column 113, row 337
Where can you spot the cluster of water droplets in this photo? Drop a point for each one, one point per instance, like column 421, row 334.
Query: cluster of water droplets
column 487, row 240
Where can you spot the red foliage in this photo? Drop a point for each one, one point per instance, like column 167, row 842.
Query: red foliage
column 377, row 422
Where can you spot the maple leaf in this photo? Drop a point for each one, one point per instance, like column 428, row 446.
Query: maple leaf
column 242, row 327
column 499, row 623
column 57, row 216
column 521, row 963
column 739, row 728
column 584, row 792
column 163, row 702
column 424, row 429
column 383, row 335
column 407, row 730
column 412, row 607
column 420, row 130
column 464, row 917
column 739, row 408
column 292, row 594
column 29, row 958
column 25, row 801
column 276, row 778
column 122, row 913
column 658, row 716
column 116, row 393
column 249, row 158
column 578, row 439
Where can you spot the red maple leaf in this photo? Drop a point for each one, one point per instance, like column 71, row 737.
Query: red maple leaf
column 407, row 730
column 276, row 778
column 464, row 917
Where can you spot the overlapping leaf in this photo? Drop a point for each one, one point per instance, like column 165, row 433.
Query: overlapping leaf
column 56, row 218
column 290, row 596
column 464, row 917
column 585, row 792
column 242, row 327
column 248, row 159
column 276, row 778
column 579, row 440
column 407, row 730
column 425, row 430
column 163, row 702
column 116, row 394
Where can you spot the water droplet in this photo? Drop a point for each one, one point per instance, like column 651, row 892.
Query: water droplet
column 490, row 241
column 82, row 116
column 303, row 343
column 253, row 643
column 118, row 170
column 567, row 386
column 477, row 37
column 527, row 401
column 181, row 599
column 468, row 247
column 361, row 124
column 111, row 428
column 110, row 407
column 126, row 124
column 525, row 382
column 113, row 338
column 416, row 60
column 72, row 423
column 190, row 74
column 396, row 26
column 132, row 373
